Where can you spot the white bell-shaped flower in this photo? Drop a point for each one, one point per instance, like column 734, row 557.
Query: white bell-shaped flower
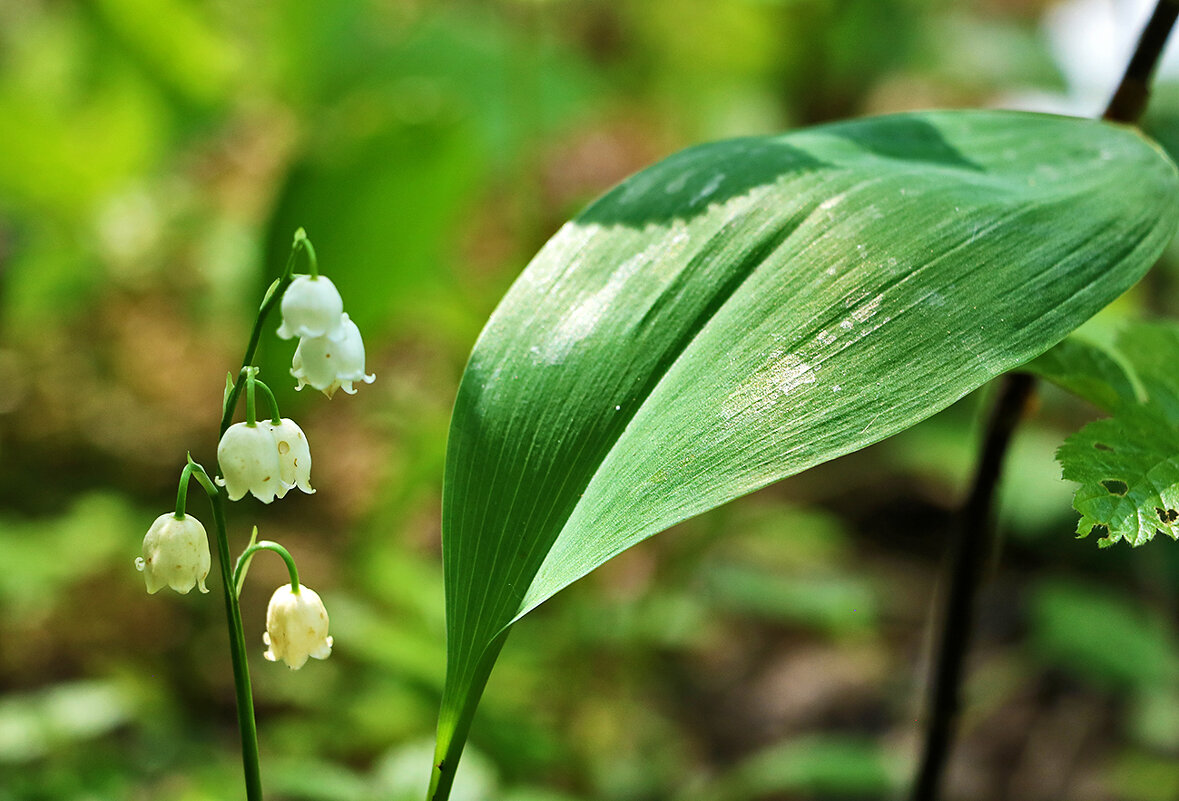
column 329, row 364
column 311, row 307
column 175, row 554
column 296, row 627
column 249, row 462
column 294, row 456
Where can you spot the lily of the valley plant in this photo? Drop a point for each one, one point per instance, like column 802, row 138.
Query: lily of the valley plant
column 265, row 458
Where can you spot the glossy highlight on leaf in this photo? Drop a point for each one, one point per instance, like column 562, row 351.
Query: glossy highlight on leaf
column 747, row 309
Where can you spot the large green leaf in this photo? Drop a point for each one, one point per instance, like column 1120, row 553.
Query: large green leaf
column 747, row 309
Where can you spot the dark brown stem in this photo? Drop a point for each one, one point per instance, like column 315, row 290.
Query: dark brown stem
column 973, row 541
column 974, row 532
column 1130, row 98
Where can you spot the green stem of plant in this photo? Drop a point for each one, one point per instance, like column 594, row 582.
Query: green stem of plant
column 271, row 401
column 237, row 652
column 312, row 262
column 251, row 384
column 182, row 490
column 218, row 497
column 268, row 545
column 237, row 640
column 272, row 298
column 974, row 534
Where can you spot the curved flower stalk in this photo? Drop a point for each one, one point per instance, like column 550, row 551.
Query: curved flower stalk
column 296, row 620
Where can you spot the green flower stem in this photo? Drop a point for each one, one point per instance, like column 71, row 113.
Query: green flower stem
column 218, row 497
column 182, row 490
column 273, row 296
column 270, row 400
column 267, row 545
column 312, row 262
column 237, row 640
column 251, row 383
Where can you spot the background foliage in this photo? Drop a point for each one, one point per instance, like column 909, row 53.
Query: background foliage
column 157, row 155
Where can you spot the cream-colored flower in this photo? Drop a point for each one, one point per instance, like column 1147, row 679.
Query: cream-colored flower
column 249, row 462
column 311, row 307
column 294, row 456
column 175, row 554
column 328, row 364
column 296, row 627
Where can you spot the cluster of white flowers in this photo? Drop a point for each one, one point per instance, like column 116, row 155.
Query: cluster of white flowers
column 267, row 459
column 330, row 354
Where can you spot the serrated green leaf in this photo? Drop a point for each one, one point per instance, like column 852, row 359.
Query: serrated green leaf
column 747, row 309
column 1127, row 465
column 1128, row 468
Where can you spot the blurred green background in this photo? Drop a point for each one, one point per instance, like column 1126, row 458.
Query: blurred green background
column 155, row 158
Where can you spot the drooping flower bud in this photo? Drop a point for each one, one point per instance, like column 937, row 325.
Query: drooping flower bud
column 294, row 456
column 249, row 462
column 296, row 627
column 311, row 307
column 175, row 554
column 329, row 364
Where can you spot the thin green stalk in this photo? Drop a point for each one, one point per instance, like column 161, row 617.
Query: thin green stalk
column 182, row 491
column 312, row 261
column 273, row 296
column 251, row 384
column 237, row 640
column 218, row 497
column 271, row 401
column 267, row 545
